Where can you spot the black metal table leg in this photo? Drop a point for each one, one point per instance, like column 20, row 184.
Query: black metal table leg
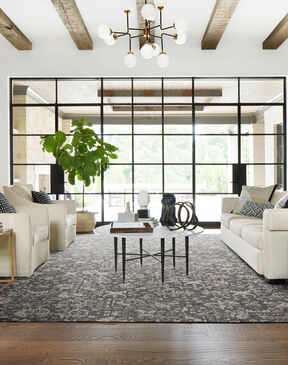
column 115, row 252
column 174, row 250
column 141, row 251
column 123, row 256
column 187, row 254
column 162, row 258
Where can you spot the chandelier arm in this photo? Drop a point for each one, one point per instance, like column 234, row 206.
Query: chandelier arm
column 167, row 34
column 130, row 46
column 139, row 29
column 172, row 26
column 157, row 36
column 127, row 18
column 123, row 33
column 160, row 11
column 155, row 26
column 136, row 36
column 162, row 43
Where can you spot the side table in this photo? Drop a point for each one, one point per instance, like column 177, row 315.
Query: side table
column 9, row 233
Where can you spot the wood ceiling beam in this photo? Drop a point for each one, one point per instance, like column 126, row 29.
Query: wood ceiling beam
column 72, row 19
column 140, row 20
column 158, row 93
column 222, row 12
column 278, row 35
column 13, row 34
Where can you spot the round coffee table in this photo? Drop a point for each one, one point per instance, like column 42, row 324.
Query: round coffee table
column 160, row 232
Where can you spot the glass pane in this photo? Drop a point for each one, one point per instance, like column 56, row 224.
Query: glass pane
column 124, row 143
column 118, row 179
column 78, row 187
column 69, row 113
column 261, row 90
column 114, row 204
column 147, row 91
column 117, row 91
column 147, row 119
column 212, row 214
column 92, row 203
column 216, row 120
column 261, row 119
column 178, row 178
column 27, row 149
column 261, row 175
column 262, row 149
column 178, row 149
column 148, row 178
column 79, row 91
column 117, row 119
column 148, row 149
column 216, row 90
column 178, row 90
column 38, row 176
column 178, row 119
column 216, row 149
column 214, row 179
column 33, row 92
column 33, row 120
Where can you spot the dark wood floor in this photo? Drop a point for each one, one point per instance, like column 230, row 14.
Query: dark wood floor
column 149, row 344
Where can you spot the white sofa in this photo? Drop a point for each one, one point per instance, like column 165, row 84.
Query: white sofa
column 31, row 240
column 262, row 243
column 62, row 215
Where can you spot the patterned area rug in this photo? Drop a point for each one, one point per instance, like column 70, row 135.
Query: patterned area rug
column 80, row 285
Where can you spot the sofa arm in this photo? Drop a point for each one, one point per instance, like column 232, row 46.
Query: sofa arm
column 70, row 205
column 38, row 212
column 229, row 203
column 275, row 219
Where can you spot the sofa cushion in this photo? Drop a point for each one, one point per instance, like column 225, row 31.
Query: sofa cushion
column 226, row 218
column 5, row 206
column 282, row 203
column 40, row 233
column 23, row 191
column 255, row 193
column 253, row 209
column 236, row 225
column 253, row 234
column 41, row 197
column 70, row 220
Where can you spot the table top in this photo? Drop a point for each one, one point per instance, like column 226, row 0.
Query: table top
column 6, row 231
column 159, row 232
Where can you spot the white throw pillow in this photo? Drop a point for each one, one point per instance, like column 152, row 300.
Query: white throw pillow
column 280, row 204
column 256, row 194
column 23, row 191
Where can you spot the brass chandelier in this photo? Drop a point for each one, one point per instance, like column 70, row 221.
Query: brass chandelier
column 150, row 48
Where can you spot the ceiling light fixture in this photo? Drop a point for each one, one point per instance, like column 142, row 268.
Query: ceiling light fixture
column 150, row 48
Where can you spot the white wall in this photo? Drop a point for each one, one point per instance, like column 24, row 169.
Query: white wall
column 106, row 61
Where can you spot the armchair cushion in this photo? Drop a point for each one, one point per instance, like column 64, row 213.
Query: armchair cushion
column 41, row 197
column 5, row 206
column 24, row 191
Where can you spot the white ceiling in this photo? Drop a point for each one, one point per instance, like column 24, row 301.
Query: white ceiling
column 251, row 23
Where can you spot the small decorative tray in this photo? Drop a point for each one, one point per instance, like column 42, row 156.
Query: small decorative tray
column 141, row 228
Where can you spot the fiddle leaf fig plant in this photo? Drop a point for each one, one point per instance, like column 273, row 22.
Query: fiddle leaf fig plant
column 84, row 156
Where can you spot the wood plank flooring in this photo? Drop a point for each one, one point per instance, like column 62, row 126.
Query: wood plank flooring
column 149, row 344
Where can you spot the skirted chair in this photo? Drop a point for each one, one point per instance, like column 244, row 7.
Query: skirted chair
column 62, row 215
column 30, row 226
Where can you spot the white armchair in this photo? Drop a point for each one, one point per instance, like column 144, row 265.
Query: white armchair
column 62, row 215
column 31, row 240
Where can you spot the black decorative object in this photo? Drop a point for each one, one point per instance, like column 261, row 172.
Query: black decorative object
column 57, row 179
column 174, row 223
column 143, row 213
column 167, row 201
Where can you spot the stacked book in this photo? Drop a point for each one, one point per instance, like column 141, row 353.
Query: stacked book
column 152, row 221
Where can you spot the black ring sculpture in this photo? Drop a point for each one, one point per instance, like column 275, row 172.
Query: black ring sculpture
column 191, row 218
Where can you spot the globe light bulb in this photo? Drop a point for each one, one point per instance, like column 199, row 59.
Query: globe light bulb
column 160, row 3
column 146, row 51
column 156, row 49
column 110, row 41
column 148, row 12
column 163, row 60
column 181, row 24
column 130, row 60
column 127, row 5
column 181, row 38
column 103, row 31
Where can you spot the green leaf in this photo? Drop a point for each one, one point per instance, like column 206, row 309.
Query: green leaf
column 60, row 137
column 113, row 156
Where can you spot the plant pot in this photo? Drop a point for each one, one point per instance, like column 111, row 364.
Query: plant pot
column 85, row 222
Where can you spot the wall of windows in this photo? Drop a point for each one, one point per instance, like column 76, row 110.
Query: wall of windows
column 175, row 135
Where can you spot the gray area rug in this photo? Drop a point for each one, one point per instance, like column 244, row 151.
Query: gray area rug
column 80, row 285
